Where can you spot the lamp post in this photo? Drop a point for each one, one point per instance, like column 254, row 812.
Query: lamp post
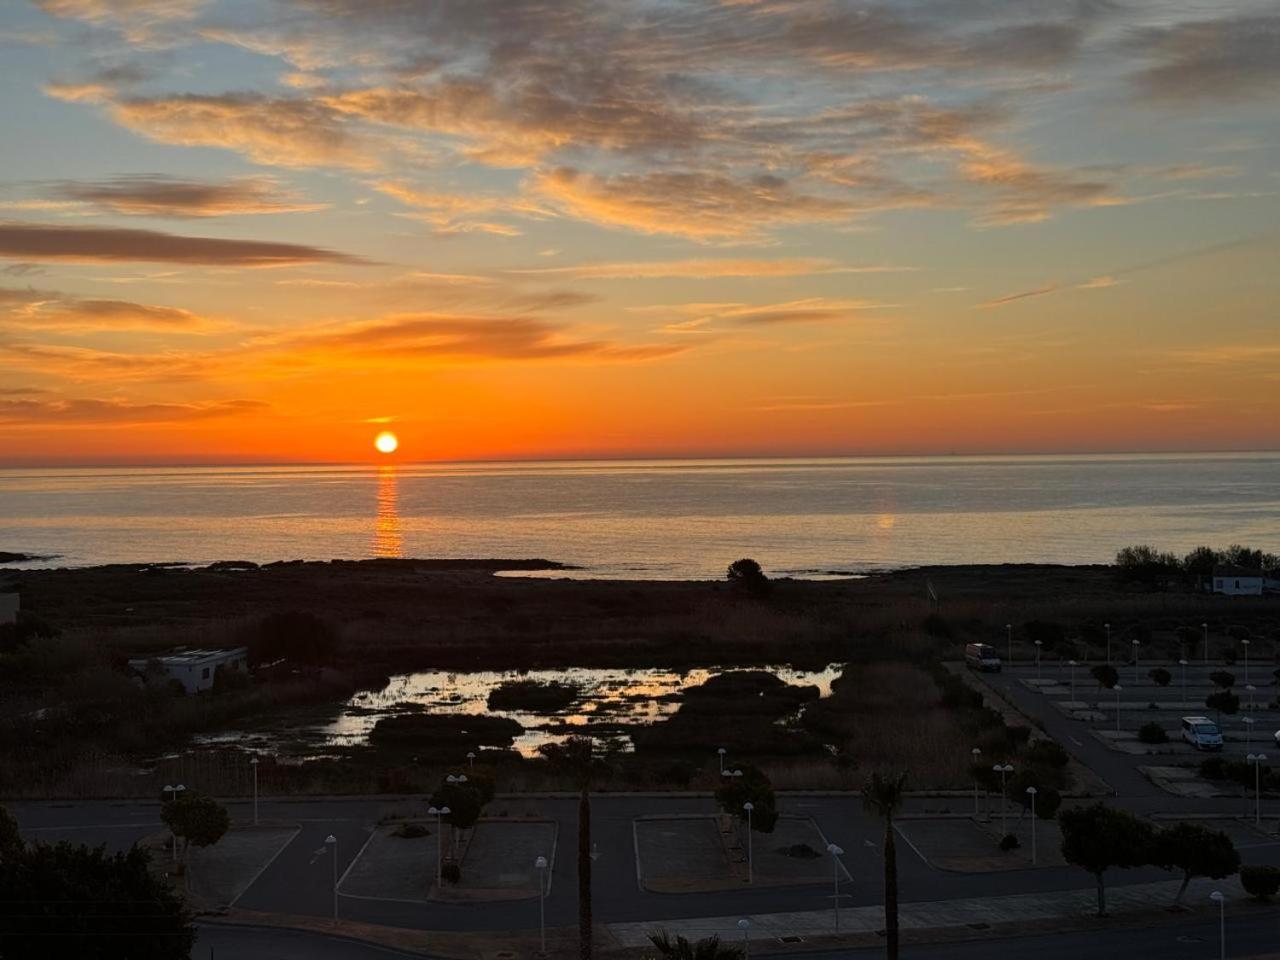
column 730, row 773
column 439, row 813
column 721, row 751
column 749, row 806
column 459, row 778
column 1008, row 629
column 1183, row 663
column 1245, row 643
column 1117, row 689
column 173, row 796
column 1108, row 626
column 1251, row 690
column 1248, row 731
column 1039, row 644
column 1135, row 662
column 1031, row 792
column 975, row 753
column 1205, row 628
column 1072, row 664
column 471, row 759
column 1004, row 769
column 745, row 925
column 331, row 842
column 1256, row 759
column 1221, row 901
column 541, row 864
column 254, row 763
column 835, row 852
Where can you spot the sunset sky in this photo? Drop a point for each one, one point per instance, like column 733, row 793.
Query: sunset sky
column 267, row 230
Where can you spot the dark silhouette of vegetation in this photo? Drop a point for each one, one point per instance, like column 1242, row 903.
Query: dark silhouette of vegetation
column 1195, row 850
column 883, row 796
column 746, row 573
column 1106, row 675
column 1098, row 838
column 1160, row 676
column 10, row 839
column 195, row 820
column 1048, row 800
column 532, row 695
column 1223, row 679
column 709, row 948
column 1224, row 701
column 463, row 800
column 752, row 787
column 73, row 901
column 576, row 758
column 1260, row 881
column 1153, row 733
column 450, row 732
column 293, row 635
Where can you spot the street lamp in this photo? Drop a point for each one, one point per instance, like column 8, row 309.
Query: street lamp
column 460, row 778
column 1108, row 626
column 835, row 852
column 722, row 752
column 471, row 759
column 1135, row 662
column 1004, row 769
column 1039, row 644
column 1245, row 643
column 1252, row 690
column 1072, row 664
column 1183, row 663
column 541, row 864
column 1008, row 629
column 1221, row 901
column 975, row 753
column 1031, row 792
column 749, row 806
column 331, row 842
column 1256, row 759
column 744, row 925
column 730, row 773
column 254, row 763
column 1117, row 689
column 1248, row 731
column 439, row 813
column 1205, row 628
column 173, row 796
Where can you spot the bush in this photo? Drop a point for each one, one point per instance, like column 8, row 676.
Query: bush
column 1009, row 842
column 1152, row 733
column 1223, row 679
column 1224, row 701
column 1261, row 881
column 532, row 695
column 1160, row 676
column 450, row 872
column 747, row 574
column 1047, row 752
column 1106, row 675
column 411, row 831
column 800, row 851
column 1213, row 768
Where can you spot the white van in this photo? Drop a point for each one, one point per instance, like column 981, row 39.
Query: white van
column 1202, row 733
column 981, row 656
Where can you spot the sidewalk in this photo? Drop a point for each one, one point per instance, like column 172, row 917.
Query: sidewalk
column 973, row 913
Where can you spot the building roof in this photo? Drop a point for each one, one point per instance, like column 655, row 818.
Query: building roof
column 198, row 655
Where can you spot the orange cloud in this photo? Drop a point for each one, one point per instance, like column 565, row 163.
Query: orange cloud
column 160, row 196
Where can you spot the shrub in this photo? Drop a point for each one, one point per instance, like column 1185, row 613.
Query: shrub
column 746, row 573
column 1160, row 676
column 1223, row 679
column 1106, row 675
column 800, row 851
column 1224, row 701
column 532, row 695
column 450, row 872
column 1213, row 768
column 1009, row 842
column 1047, row 752
column 411, row 831
column 1260, row 880
column 1152, row 733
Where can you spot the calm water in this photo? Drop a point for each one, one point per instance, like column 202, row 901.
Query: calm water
column 654, row 518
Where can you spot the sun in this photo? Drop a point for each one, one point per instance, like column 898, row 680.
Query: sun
column 386, row 442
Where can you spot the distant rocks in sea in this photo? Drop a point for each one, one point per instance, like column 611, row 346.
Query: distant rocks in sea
column 8, row 557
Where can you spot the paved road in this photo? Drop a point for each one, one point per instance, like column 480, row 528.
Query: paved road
column 253, row 943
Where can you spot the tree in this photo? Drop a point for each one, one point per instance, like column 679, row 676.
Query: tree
column 1048, row 800
column 682, row 949
column 1099, row 837
column 1262, row 882
column 754, row 787
column 576, row 758
column 74, row 901
column 11, row 844
column 747, row 574
column 1195, row 850
column 883, row 797
column 1224, row 701
column 1160, row 676
column 1200, row 562
column 465, row 803
column 196, row 819
column 292, row 635
column 1106, row 675
column 1223, row 679
column 1146, row 564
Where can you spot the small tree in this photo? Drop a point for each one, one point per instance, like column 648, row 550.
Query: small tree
column 748, row 574
column 1106, row 675
column 1099, row 837
column 1195, row 850
column 10, row 840
column 883, row 797
column 464, row 801
column 1160, row 676
column 1152, row 733
column 197, row 820
column 754, row 786
column 1224, row 701
column 576, row 758
column 683, row 949
column 1223, row 679
column 1048, row 800
column 1262, row 882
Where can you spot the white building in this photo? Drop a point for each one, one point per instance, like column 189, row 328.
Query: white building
column 9, row 605
column 1237, row 581
column 194, row 669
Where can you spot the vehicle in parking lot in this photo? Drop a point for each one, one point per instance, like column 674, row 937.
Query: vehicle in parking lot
column 1202, row 733
column 981, row 656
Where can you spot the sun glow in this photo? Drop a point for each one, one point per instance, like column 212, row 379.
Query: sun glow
column 386, row 442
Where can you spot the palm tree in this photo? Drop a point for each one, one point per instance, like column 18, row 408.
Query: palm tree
column 883, row 796
column 575, row 758
column 681, row 949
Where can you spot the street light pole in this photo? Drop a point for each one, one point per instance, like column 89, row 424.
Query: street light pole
column 1256, row 759
column 1245, row 643
column 173, row 792
column 332, row 843
column 1108, row 626
column 1008, row 629
column 1031, row 792
column 1117, row 689
column 1072, row 664
column 1248, row 731
column 975, row 753
column 1183, row 662
column 1039, row 644
column 440, row 813
column 1205, row 628
column 749, row 806
column 745, row 925
column 541, row 864
column 471, row 759
column 1004, row 769
column 721, row 751
column 254, row 763
column 1221, row 901
column 835, row 852
column 1135, row 663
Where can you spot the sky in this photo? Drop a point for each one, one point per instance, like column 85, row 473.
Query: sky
column 267, row 230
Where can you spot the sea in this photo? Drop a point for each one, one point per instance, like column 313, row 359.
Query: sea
column 651, row 519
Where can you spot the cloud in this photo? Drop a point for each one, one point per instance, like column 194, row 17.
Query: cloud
column 1021, row 295
column 1229, row 353
column 1228, row 58
column 156, row 195
column 100, row 11
column 707, row 268
column 699, row 206
column 119, row 413
column 42, row 310
column 460, row 213
column 42, row 242
column 806, row 311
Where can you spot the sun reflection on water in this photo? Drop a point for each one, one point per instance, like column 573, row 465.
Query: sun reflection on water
column 387, row 541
